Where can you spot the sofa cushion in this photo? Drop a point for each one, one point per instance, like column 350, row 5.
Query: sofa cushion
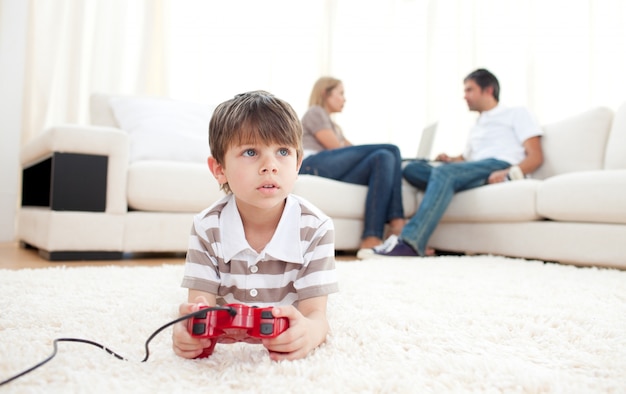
column 100, row 112
column 344, row 200
column 164, row 129
column 576, row 143
column 616, row 146
column 171, row 186
column 157, row 185
column 588, row 196
column 501, row 202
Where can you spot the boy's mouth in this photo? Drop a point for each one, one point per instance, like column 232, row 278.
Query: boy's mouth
column 269, row 186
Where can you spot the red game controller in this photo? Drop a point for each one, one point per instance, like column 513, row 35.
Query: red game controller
column 235, row 323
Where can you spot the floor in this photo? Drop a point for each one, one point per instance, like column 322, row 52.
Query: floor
column 12, row 256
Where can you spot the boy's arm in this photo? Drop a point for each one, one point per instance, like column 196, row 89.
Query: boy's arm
column 193, row 295
column 308, row 328
column 314, row 309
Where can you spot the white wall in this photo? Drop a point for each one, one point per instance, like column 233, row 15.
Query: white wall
column 13, row 17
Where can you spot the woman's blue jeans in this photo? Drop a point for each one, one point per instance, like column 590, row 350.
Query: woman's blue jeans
column 439, row 184
column 377, row 166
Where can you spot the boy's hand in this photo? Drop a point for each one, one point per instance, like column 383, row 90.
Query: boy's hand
column 303, row 335
column 183, row 343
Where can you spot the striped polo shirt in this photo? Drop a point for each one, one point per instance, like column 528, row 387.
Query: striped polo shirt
column 298, row 262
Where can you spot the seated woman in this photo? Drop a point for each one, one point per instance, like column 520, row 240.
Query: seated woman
column 327, row 153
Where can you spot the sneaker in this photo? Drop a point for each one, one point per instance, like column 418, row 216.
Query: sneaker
column 400, row 250
column 386, row 246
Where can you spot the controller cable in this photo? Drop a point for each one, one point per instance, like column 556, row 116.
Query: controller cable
column 229, row 309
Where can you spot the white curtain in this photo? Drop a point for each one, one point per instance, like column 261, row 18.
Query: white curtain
column 402, row 61
column 558, row 57
column 221, row 48
column 378, row 49
column 77, row 47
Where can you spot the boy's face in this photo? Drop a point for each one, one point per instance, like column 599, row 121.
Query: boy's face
column 260, row 176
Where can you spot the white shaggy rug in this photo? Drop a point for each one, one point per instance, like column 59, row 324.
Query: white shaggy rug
column 442, row 324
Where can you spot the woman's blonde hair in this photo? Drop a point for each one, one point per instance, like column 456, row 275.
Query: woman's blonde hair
column 321, row 90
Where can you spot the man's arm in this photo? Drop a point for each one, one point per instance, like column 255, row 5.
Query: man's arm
column 534, row 155
column 534, row 159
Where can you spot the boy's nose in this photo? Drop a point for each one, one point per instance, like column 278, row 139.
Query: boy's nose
column 269, row 166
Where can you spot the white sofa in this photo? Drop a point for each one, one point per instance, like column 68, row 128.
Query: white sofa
column 106, row 197
column 572, row 211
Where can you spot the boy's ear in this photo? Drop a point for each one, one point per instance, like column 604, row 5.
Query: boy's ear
column 217, row 170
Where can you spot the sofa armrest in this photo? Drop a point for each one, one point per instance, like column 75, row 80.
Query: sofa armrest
column 109, row 142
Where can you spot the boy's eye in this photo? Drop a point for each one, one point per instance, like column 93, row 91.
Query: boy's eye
column 249, row 152
column 283, row 152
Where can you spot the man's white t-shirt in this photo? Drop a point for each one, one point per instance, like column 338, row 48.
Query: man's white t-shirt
column 500, row 133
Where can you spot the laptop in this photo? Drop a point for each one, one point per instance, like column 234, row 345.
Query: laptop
column 426, row 145
column 426, row 142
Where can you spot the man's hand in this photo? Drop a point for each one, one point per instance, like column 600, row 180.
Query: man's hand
column 448, row 159
column 498, row 176
column 443, row 157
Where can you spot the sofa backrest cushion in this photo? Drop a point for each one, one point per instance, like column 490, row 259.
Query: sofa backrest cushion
column 576, row 143
column 100, row 111
column 159, row 128
column 615, row 158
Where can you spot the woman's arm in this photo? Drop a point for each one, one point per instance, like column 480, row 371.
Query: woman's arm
column 329, row 139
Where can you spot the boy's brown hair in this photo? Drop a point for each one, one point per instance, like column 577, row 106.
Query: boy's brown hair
column 253, row 117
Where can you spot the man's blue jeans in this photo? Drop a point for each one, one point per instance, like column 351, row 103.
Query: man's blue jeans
column 440, row 183
column 377, row 166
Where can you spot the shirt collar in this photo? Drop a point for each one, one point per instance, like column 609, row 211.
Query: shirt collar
column 284, row 245
column 493, row 111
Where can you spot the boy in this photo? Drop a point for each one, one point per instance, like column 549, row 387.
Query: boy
column 260, row 245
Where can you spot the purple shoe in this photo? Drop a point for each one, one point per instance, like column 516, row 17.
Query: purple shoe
column 400, row 250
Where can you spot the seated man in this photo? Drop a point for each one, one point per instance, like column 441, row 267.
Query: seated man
column 505, row 144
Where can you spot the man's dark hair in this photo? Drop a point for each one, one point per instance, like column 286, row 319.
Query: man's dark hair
column 484, row 79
